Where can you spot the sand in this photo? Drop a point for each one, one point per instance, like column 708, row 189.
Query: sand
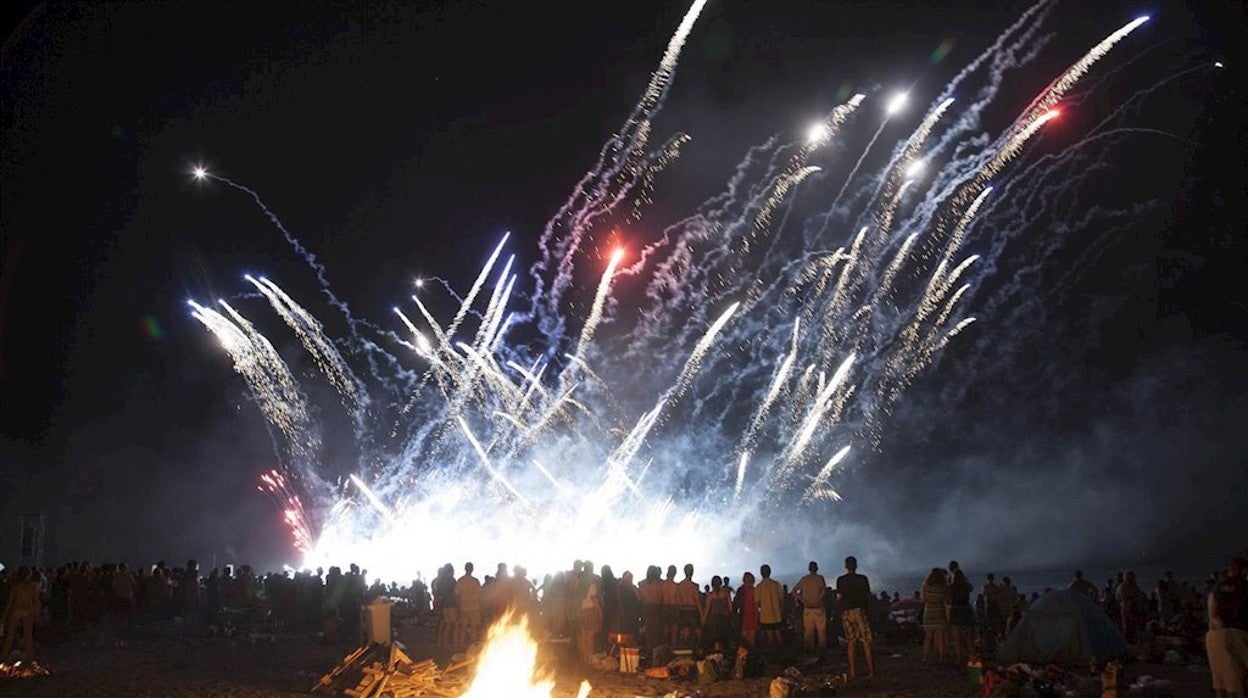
column 132, row 662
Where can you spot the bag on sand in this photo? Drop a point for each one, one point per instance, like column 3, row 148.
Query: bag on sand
column 709, row 670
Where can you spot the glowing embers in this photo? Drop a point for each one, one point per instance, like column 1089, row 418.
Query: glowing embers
column 22, row 669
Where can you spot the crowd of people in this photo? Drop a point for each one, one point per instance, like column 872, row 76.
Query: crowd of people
column 597, row 610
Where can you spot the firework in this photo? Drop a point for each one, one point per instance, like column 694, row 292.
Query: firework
column 754, row 362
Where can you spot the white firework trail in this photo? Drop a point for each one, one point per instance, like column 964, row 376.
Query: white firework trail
column 600, row 300
column 312, row 335
column 957, row 329
column 815, row 415
column 372, row 497
column 1015, row 144
column 476, row 287
column 485, row 461
column 491, row 337
column 704, row 345
column 1059, row 87
column 741, row 465
column 283, row 410
column 949, row 306
column 959, row 231
column 444, row 342
column 825, row 472
column 495, row 308
column 890, row 272
column 562, row 488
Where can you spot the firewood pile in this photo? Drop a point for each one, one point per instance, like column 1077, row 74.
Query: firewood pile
column 385, row 671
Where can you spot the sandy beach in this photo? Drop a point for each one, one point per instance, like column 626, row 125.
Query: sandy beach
column 118, row 662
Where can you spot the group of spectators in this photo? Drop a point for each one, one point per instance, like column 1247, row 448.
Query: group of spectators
column 80, row 595
column 599, row 611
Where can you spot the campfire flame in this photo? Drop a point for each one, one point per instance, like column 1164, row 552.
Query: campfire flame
column 507, row 665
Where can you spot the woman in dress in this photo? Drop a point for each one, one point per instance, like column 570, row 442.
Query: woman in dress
column 746, row 606
column 935, row 618
column 961, row 614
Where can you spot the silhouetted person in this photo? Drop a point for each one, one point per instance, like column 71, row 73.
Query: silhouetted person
column 853, row 594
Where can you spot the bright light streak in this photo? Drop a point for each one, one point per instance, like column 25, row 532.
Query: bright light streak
column 896, row 103
column 372, row 497
column 1218, row 64
column 916, row 168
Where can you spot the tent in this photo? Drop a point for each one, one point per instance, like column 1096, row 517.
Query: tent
column 1063, row 626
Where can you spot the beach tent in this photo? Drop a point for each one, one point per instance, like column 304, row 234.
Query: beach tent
column 1063, row 626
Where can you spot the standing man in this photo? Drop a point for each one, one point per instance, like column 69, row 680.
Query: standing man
column 810, row 590
column 689, row 603
column 468, row 595
column 447, row 608
column 770, row 607
column 853, row 595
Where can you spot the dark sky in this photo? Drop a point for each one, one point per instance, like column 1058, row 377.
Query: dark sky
column 400, row 139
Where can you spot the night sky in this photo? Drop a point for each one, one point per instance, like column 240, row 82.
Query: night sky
column 1100, row 422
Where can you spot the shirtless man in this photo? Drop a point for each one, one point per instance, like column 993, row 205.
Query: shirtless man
column 689, row 603
column 21, row 611
column 809, row 591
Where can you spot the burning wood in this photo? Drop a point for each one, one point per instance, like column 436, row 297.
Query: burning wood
column 506, row 665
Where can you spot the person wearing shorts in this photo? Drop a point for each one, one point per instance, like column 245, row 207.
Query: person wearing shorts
column 770, row 607
column 853, row 596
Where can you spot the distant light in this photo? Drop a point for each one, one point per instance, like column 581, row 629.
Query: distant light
column 617, row 255
column 420, row 283
column 1218, row 64
column 199, row 173
column 816, row 134
column 915, row 168
column 896, row 103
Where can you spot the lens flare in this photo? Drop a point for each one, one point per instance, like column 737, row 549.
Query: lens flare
column 897, row 103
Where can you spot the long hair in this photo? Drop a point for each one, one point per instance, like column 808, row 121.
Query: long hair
column 936, row 578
